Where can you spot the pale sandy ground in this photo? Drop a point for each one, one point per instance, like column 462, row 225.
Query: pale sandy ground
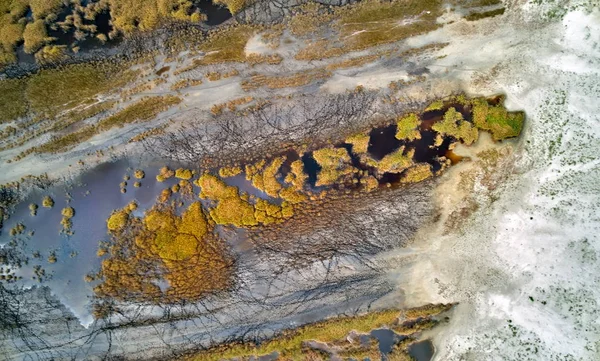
column 525, row 267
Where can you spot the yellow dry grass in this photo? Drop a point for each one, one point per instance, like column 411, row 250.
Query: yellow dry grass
column 290, row 81
column 227, row 45
column 335, row 164
column 374, row 22
column 407, row 127
column 417, row 173
column 142, row 111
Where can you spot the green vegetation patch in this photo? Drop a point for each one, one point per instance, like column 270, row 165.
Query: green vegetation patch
column 496, row 119
column 417, row 173
column 436, row 105
column 360, row 143
column 11, row 33
column 164, row 174
column 335, row 164
column 12, row 100
column 395, row 162
column 291, row 344
column 131, row 15
column 266, row 179
column 231, row 209
column 143, row 110
column 48, row 202
column 296, row 176
column 118, row 220
column 179, row 249
column 182, row 173
column 15, row 27
column 226, row 172
column 175, row 238
column 51, row 90
column 455, row 126
column 407, row 127
column 35, row 36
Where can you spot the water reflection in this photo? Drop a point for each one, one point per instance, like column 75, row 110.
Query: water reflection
column 421, row 351
column 93, row 196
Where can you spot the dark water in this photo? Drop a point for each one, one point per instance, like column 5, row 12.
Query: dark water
column 23, row 57
column 421, row 351
column 387, row 338
column 216, row 14
column 102, row 22
column 245, row 185
column 311, row 168
column 383, row 141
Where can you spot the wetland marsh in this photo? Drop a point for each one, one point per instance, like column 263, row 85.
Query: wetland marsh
column 312, row 180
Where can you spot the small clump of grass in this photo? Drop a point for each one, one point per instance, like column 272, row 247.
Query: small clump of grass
column 266, row 179
column 354, row 62
column 164, row 174
column 231, row 209
column 33, row 209
column 417, row 173
column 185, row 83
column 47, row 202
column 148, row 133
column 318, row 50
column 496, row 119
column 226, row 172
column 117, row 221
column 427, row 310
column 335, row 164
column 407, row 127
column 19, row 228
column 68, row 213
column 360, row 143
column 296, row 177
column 182, row 173
column 395, row 162
column 455, row 126
column 370, row 183
column 436, row 105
